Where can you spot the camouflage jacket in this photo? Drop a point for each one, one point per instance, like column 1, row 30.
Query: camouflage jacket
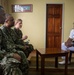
column 2, row 51
column 18, row 33
column 18, row 36
column 8, row 41
column 10, row 47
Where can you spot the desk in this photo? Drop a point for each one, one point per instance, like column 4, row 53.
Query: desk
column 50, row 52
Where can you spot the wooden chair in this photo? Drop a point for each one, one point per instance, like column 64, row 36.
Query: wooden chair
column 70, row 56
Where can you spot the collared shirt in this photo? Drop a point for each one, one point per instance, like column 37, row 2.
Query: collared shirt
column 71, row 34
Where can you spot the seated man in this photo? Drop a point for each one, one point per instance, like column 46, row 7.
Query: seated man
column 68, row 45
column 11, row 49
column 2, row 51
column 20, row 38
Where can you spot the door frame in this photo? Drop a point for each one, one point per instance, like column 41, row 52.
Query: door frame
column 63, row 6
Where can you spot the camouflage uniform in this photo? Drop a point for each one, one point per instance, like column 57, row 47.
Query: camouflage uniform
column 2, row 51
column 18, row 40
column 10, row 47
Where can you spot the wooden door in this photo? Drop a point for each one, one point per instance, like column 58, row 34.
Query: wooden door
column 53, row 25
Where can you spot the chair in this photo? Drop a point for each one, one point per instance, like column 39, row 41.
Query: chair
column 70, row 56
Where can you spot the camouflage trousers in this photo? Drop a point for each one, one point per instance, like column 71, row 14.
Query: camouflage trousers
column 23, row 66
column 29, row 49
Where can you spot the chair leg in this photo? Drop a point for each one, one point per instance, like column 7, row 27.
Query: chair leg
column 70, row 56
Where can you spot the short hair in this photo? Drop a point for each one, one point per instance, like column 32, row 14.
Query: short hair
column 7, row 17
column 18, row 21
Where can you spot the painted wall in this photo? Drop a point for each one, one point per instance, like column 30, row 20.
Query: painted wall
column 34, row 23
column 4, row 3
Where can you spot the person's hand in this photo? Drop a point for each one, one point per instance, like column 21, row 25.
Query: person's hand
column 68, row 43
column 25, row 47
column 16, row 56
column 24, row 37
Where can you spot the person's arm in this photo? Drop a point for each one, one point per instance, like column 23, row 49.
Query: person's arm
column 20, row 46
column 24, row 37
column 2, row 52
column 68, row 43
column 71, row 34
column 15, row 47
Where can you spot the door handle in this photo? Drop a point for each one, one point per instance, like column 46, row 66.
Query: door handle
column 60, row 27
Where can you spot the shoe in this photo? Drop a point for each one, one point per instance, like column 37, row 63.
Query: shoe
column 63, row 62
column 63, row 58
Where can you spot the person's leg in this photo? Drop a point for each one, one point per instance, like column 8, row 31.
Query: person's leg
column 28, row 51
column 24, row 65
column 64, row 48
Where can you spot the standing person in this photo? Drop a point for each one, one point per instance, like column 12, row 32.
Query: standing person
column 68, row 45
column 20, row 38
column 10, row 47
